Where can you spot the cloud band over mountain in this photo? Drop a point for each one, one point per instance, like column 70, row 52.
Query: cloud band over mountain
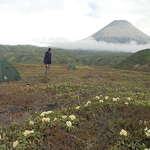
column 94, row 45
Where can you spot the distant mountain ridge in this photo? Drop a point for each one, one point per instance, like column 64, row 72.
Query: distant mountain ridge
column 28, row 54
column 120, row 31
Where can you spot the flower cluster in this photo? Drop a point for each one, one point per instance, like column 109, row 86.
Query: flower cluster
column 128, row 98
column 88, row 103
column 77, row 107
column 45, row 113
column 101, row 101
column 64, row 117
column 45, row 120
column 147, row 132
column 123, row 132
column 72, row 117
column 55, row 119
column 116, row 99
column 97, row 97
column 28, row 132
column 31, row 123
column 69, row 124
column 106, row 97
column 15, row 144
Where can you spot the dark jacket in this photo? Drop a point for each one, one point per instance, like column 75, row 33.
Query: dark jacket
column 47, row 58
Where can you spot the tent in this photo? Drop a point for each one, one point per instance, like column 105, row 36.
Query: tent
column 8, row 72
column 71, row 67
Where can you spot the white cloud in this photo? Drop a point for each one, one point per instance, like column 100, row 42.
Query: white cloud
column 41, row 22
column 93, row 45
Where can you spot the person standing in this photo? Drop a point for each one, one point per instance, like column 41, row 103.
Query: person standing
column 47, row 62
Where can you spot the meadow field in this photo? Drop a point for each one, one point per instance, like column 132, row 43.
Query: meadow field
column 91, row 108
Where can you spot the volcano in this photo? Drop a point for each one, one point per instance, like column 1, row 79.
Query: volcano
column 120, row 31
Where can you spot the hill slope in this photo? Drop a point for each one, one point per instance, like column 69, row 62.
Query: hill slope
column 137, row 61
column 120, row 31
column 27, row 54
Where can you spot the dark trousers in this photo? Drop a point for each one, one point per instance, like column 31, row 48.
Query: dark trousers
column 47, row 66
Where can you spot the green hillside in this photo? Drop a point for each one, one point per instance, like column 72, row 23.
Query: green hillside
column 27, row 54
column 137, row 61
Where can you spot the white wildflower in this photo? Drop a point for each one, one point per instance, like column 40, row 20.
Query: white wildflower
column 123, row 132
column 46, row 120
column 43, row 114
column 32, row 131
column 97, row 97
column 114, row 99
column 118, row 98
column 55, row 119
column 101, row 95
column 126, row 103
column 72, row 117
column 106, row 97
column 31, row 123
column 101, row 101
column 88, row 103
column 49, row 112
column 0, row 137
column 26, row 132
column 64, row 117
column 15, row 144
column 146, row 129
column 68, row 123
column 128, row 98
column 147, row 134
column 77, row 107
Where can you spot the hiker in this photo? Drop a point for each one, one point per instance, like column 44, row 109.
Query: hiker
column 47, row 62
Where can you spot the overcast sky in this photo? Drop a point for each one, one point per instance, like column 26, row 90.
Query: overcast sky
column 63, row 23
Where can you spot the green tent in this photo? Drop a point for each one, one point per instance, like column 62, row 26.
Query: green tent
column 8, row 72
column 71, row 67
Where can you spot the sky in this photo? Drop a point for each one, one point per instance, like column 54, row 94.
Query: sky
column 64, row 23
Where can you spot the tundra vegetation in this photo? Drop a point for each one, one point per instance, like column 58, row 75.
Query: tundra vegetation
column 88, row 108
